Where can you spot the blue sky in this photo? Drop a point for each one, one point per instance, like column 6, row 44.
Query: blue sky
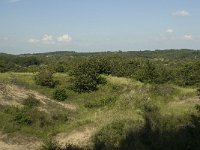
column 30, row 26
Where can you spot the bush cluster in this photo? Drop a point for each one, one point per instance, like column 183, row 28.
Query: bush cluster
column 45, row 78
column 31, row 101
column 31, row 117
column 86, row 77
column 60, row 94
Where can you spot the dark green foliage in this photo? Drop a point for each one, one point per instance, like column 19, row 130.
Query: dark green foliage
column 124, row 67
column 6, row 66
column 22, row 117
column 60, row 94
column 86, row 77
column 31, row 101
column 27, row 116
column 31, row 117
column 104, row 64
column 159, row 66
column 17, row 63
column 27, row 61
column 152, row 72
column 148, row 73
column 59, row 68
column 189, row 74
column 45, row 78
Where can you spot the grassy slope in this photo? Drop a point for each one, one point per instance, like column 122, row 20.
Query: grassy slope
column 119, row 99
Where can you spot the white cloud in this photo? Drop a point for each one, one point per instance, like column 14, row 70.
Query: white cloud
column 168, row 35
column 187, row 37
column 170, row 31
column 64, row 38
column 33, row 40
column 50, row 39
column 181, row 13
column 47, row 38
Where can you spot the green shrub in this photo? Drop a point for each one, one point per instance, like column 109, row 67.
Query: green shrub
column 111, row 135
column 150, row 72
column 189, row 74
column 86, row 77
column 31, row 101
column 22, row 117
column 28, row 116
column 60, row 94
column 45, row 78
column 59, row 68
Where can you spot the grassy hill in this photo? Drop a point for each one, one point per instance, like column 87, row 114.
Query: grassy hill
column 103, row 118
column 143, row 100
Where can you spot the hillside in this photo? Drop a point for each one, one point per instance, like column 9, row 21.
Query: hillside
column 141, row 100
column 106, row 114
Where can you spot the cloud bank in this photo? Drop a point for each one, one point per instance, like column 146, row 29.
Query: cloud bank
column 50, row 39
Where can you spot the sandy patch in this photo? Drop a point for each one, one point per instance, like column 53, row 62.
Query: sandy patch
column 18, row 143
column 76, row 137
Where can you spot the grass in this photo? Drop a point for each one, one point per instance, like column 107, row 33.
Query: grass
column 27, row 81
column 119, row 99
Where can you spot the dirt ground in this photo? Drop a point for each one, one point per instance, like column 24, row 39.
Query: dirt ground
column 79, row 137
column 14, row 95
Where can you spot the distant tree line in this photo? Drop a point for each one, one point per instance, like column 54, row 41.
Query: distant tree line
column 181, row 67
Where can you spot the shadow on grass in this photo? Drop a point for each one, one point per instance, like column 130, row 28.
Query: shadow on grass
column 154, row 137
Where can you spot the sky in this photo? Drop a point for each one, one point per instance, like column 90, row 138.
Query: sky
column 32, row 26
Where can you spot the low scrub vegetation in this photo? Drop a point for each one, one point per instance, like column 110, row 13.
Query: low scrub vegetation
column 45, row 78
column 30, row 118
column 31, row 101
column 130, row 100
column 60, row 94
column 86, row 77
column 100, row 103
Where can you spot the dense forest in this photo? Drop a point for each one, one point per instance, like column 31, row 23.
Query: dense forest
column 143, row 100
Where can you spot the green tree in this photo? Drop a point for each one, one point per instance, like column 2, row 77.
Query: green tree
column 45, row 78
column 86, row 77
column 189, row 74
column 147, row 73
column 60, row 94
